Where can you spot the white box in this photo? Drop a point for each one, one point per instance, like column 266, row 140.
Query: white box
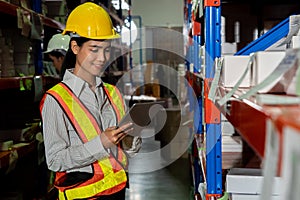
column 227, row 128
column 278, row 46
column 263, row 65
column 249, row 181
column 233, row 68
column 232, row 144
column 296, row 41
column 228, row 48
column 250, row 197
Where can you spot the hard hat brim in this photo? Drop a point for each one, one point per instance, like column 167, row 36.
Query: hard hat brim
column 62, row 51
column 108, row 37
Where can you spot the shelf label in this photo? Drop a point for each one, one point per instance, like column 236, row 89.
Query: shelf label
column 215, row 82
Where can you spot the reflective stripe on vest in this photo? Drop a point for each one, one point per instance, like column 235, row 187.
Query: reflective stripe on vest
column 109, row 176
column 115, row 96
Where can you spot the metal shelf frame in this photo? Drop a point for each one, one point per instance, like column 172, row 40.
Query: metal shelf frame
column 266, row 40
column 11, row 9
column 213, row 126
column 212, row 38
column 239, row 110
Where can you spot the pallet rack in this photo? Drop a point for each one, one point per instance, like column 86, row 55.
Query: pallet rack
column 236, row 111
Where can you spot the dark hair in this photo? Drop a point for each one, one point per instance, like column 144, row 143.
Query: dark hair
column 70, row 58
column 55, row 53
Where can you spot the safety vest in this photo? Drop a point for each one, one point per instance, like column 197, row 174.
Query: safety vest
column 109, row 173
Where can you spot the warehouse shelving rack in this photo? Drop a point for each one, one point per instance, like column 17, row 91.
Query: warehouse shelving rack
column 212, row 39
column 236, row 111
column 20, row 95
column 11, row 9
column 19, row 103
column 211, row 113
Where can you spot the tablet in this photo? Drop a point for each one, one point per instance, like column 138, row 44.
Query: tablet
column 141, row 115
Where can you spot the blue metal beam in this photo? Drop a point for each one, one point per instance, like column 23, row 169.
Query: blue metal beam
column 197, row 59
column 266, row 40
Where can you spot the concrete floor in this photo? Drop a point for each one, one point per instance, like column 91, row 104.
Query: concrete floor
column 173, row 182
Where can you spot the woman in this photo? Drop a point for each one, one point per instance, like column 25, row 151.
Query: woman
column 80, row 115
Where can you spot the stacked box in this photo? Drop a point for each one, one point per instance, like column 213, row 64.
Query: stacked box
column 57, row 10
column 230, row 143
column 23, row 56
column 15, row 2
column 228, row 48
column 264, row 64
column 296, row 41
column 246, row 183
column 6, row 58
column 233, row 68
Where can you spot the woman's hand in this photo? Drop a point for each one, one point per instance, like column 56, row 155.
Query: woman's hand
column 113, row 135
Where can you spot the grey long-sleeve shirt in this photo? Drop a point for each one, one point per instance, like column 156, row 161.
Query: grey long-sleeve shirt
column 63, row 147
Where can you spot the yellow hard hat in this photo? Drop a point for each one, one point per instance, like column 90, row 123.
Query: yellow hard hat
column 90, row 20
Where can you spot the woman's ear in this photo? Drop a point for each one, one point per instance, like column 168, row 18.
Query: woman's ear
column 74, row 47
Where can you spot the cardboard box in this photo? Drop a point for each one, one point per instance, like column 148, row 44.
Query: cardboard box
column 7, row 52
column 8, row 72
column 248, row 181
column 24, row 69
column 23, row 58
column 233, row 68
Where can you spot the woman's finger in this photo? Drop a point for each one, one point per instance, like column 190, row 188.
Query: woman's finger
column 126, row 126
column 123, row 134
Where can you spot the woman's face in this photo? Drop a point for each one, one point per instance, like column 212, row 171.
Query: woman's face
column 91, row 57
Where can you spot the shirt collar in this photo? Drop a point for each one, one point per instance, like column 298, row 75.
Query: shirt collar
column 76, row 83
